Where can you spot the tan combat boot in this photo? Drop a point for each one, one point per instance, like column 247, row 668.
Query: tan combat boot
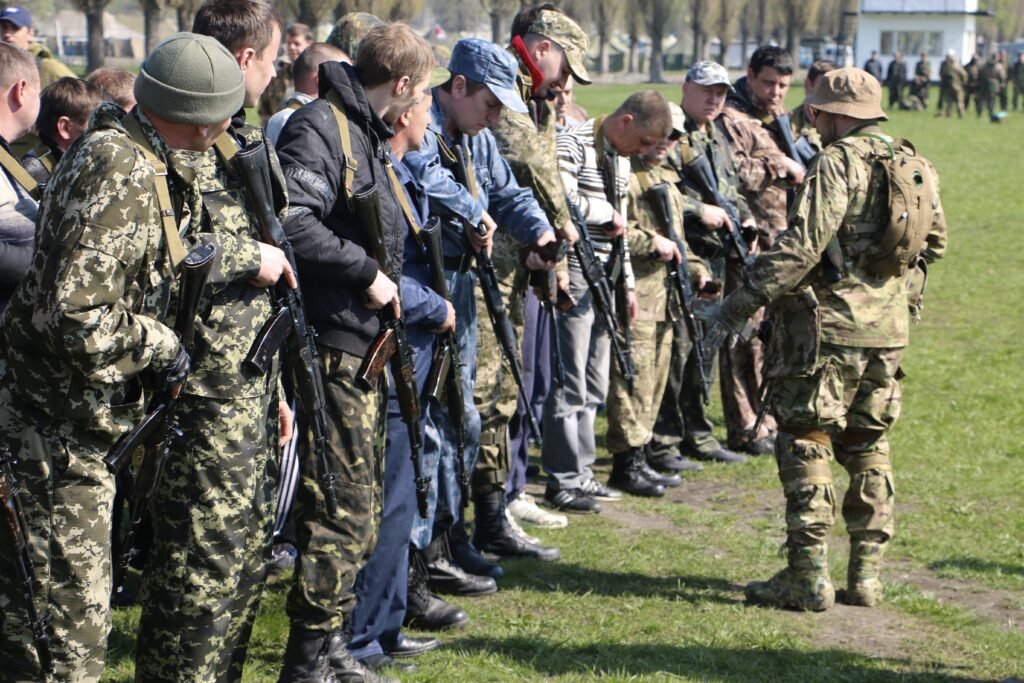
column 863, row 585
column 803, row 585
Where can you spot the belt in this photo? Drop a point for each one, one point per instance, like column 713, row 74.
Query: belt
column 461, row 264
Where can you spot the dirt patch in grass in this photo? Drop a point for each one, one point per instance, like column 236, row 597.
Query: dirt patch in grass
column 998, row 607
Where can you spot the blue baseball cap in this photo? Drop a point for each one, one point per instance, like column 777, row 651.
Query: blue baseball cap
column 487, row 63
column 19, row 16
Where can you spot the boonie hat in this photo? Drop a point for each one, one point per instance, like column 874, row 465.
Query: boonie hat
column 848, row 92
column 708, row 73
column 191, row 79
column 485, row 62
column 569, row 36
column 350, row 30
column 19, row 16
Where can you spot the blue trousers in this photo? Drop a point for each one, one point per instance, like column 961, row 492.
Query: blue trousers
column 439, row 449
column 381, row 585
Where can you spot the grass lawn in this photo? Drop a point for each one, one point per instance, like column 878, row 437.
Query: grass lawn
column 652, row 590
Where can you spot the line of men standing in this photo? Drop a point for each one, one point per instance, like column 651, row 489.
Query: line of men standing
column 391, row 151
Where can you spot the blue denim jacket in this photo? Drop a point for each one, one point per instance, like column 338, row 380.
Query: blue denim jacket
column 513, row 207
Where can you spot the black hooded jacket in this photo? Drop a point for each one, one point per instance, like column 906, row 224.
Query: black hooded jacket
column 332, row 249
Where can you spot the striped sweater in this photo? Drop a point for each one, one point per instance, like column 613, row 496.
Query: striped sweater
column 584, row 185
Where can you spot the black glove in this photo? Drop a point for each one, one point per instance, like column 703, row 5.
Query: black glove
column 176, row 372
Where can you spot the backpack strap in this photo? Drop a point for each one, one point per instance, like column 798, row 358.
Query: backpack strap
column 349, row 172
column 20, row 175
column 175, row 247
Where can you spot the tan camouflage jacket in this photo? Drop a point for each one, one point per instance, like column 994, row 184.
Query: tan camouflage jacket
column 841, row 194
column 759, row 165
column 84, row 323
column 642, row 224
column 234, row 311
column 50, row 68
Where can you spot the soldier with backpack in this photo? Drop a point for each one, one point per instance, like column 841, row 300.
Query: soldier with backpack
column 866, row 219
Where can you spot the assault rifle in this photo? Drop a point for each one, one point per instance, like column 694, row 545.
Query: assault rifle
column 15, row 544
column 799, row 150
column 679, row 276
column 616, row 269
column 444, row 383
column 699, row 173
column 547, row 284
column 503, row 331
column 391, row 347
column 600, row 290
column 287, row 326
column 157, row 430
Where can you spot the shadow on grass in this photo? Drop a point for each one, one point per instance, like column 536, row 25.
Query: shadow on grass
column 564, row 577
column 704, row 663
column 975, row 565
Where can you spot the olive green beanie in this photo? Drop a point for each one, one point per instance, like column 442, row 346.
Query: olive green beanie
column 190, row 78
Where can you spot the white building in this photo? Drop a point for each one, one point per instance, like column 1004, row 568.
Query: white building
column 916, row 26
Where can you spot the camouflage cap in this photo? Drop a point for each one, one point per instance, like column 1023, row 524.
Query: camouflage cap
column 678, row 121
column 849, row 92
column 569, row 36
column 350, row 30
column 708, row 73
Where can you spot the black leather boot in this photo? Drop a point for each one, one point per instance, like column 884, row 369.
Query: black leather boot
column 628, row 475
column 492, row 533
column 305, row 657
column 668, row 479
column 424, row 610
column 444, row 576
column 345, row 667
column 467, row 556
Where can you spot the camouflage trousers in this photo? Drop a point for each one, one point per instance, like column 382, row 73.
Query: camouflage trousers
column 495, row 393
column 332, row 551
column 631, row 416
column 67, row 496
column 741, row 372
column 845, row 408
column 211, row 542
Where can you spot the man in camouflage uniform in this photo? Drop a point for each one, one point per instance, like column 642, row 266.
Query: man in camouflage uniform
column 1017, row 76
column 211, row 542
column 550, row 49
column 85, row 325
column 836, row 347
column 682, row 424
column 751, row 126
column 297, row 38
column 659, row 329
column 952, row 81
column 350, row 30
column 802, row 126
column 16, row 29
column 991, row 81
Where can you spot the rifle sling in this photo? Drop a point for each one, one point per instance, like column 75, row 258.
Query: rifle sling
column 175, row 247
column 20, row 175
column 349, row 172
column 403, row 200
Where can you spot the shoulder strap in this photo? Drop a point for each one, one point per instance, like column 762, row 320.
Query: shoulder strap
column 227, row 148
column 410, row 217
column 20, row 175
column 349, row 172
column 175, row 247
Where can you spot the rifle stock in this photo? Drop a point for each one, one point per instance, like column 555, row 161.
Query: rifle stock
column 15, row 543
column 699, row 172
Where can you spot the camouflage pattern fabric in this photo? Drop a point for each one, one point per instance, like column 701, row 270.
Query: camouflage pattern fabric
column 350, row 30
column 80, row 329
column 495, row 393
column 273, row 97
column 332, row 551
column 760, row 163
column 231, row 449
column 211, row 541
column 50, row 68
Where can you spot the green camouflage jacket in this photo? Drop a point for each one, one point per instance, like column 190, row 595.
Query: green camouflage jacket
column 84, row 323
column 233, row 310
column 842, row 194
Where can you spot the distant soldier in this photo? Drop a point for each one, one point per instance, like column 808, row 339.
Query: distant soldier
column 973, row 67
column 305, row 76
column 64, row 110
column 953, row 81
column 19, row 191
column 896, row 78
column 1004, row 86
column 991, row 81
column 1018, row 79
column 16, row 29
column 802, row 126
column 350, row 30
column 923, row 67
column 83, row 331
column 874, row 66
column 296, row 39
column 840, row 325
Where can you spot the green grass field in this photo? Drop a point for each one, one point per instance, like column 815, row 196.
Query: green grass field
column 652, row 591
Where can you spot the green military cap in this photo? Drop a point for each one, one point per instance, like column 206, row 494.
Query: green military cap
column 350, row 31
column 192, row 79
column 848, row 92
column 569, row 36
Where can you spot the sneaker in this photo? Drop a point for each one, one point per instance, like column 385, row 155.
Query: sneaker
column 571, row 500
column 518, row 530
column 525, row 509
column 598, row 491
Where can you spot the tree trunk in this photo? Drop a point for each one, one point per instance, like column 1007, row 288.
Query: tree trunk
column 495, row 27
column 634, row 49
column 151, row 13
column 656, row 59
column 97, row 52
column 697, row 19
column 185, row 16
column 602, row 55
column 762, row 15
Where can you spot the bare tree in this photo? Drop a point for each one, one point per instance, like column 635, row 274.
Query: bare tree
column 96, row 50
column 606, row 15
column 699, row 10
column 797, row 16
column 152, row 12
column 726, row 24
column 498, row 11
column 633, row 24
column 186, row 12
column 659, row 14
